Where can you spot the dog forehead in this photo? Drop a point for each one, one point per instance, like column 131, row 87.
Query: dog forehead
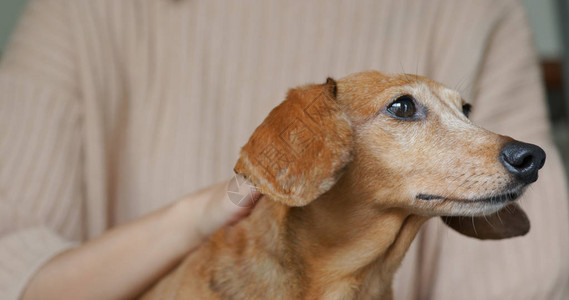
column 370, row 83
column 433, row 94
column 450, row 96
column 363, row 94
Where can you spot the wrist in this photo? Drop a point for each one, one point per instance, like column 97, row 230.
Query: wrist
column 180, row 223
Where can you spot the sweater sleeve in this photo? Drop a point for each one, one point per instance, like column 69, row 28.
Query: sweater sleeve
column 510, row 100
column 40, row 146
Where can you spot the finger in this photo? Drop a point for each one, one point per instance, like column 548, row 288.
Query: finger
column 241, row 192
column 229, row 206
column 241, row 197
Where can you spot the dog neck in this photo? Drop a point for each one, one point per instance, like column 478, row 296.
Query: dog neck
column 350, row 249
column 336, row 247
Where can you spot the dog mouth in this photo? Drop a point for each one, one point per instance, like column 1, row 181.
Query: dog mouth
column 501, row 198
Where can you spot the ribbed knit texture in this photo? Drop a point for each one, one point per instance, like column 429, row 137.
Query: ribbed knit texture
column 110, row 109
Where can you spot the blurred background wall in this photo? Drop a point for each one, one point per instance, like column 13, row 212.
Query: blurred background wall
column 550, row 22
column 9, row 12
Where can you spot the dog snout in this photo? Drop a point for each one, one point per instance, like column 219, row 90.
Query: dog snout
column 523, row 160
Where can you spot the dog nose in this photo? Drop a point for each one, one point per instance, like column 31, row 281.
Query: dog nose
column 523, row 160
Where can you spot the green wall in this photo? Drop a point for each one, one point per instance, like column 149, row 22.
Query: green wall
column 10, row 10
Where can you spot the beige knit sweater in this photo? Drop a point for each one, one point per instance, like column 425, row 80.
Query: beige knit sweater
column 110, row 109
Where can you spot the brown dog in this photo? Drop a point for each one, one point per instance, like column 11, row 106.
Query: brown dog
column 350, row 171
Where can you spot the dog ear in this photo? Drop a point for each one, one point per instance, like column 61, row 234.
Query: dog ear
column 300, row 149
column 510, row 221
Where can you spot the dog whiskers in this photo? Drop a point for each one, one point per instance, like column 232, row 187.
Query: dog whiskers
column 474, row 226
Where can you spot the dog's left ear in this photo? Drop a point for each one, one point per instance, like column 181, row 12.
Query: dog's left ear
column 510, row 221
column 300, row 149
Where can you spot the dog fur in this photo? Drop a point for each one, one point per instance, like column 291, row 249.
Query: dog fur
column 346, row 188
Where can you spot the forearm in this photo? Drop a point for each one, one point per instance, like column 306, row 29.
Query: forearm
column 124, row 261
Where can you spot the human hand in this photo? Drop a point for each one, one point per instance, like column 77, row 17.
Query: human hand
column 220, row 205
column 127, row 259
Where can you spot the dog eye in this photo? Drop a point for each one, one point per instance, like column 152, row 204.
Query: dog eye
column 466, row 109
column 403, row 107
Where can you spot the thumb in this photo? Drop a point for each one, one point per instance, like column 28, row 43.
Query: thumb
column 235, row 201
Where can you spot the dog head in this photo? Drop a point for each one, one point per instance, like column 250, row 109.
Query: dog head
column 405, row 140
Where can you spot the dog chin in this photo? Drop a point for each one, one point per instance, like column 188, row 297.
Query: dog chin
column 475, row 206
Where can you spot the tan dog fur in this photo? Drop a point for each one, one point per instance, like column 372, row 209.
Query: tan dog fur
column 341, row 178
